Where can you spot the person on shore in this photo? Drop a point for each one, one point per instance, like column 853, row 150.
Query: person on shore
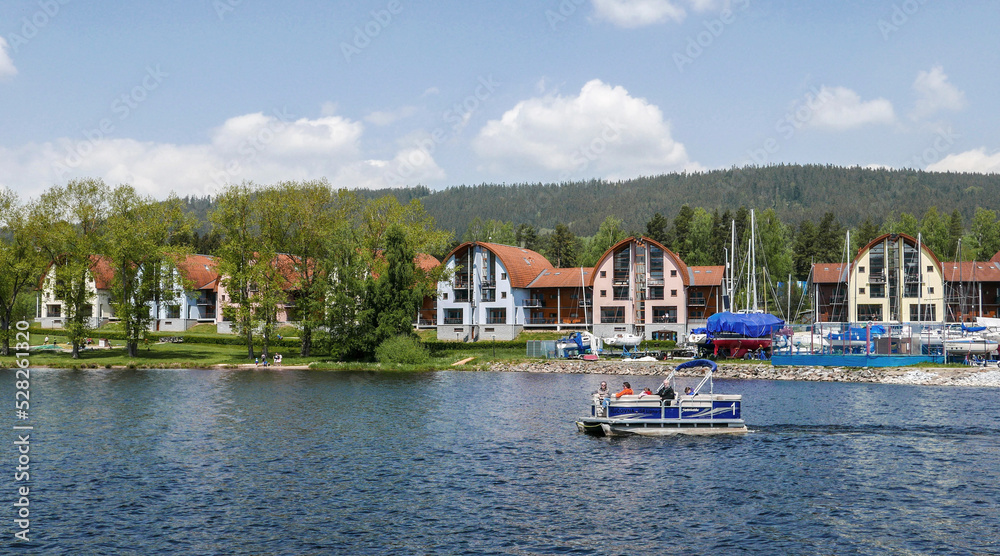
column 626, row 390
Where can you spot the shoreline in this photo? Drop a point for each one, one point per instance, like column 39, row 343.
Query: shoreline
column 988, row 377
column 923, row 376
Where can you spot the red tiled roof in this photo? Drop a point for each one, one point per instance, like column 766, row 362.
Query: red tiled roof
column 707, row 275
column 562, row 278
column 103, row 274
column 426, row 262
column 201, row 271
column 829, row 273
column 522, row 265
column 969, row 271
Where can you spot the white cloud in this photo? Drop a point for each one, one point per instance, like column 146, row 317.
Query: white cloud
column 935, row 93
column 7, row 68
column 839, row 108
column 602, row 132
column 974, row 161
column 639, row 13
column 387, row 117
column 260, row 147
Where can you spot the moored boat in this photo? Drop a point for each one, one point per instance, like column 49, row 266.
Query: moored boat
column 667, row 414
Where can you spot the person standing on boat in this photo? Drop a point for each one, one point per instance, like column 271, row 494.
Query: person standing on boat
column 626, row 390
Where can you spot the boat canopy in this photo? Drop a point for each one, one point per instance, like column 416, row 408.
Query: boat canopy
column 751, row 325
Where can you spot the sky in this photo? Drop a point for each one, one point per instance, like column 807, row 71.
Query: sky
column 189, row 95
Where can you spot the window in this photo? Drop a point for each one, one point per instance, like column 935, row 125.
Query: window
column 930, row 268
column 877, row 290
column 621, row 293
column 453, row 316
column 503, row 275
column 489, row 295
column 663, row 315
column 930, row 289
column 656, row 292
column 697, row 314
column 868, row 312
column 552, row 296
column 604, row 293
column 911, row 290
column 926, row 314
column 673, row 293
column 444, row 295
column 861, row 270
column 503, row 295
column 496, row 316
column 612, row 315
column 655, row 263
column 173, row 311
column 461, row 296
column 621, row 265
column 53, row 310
column 604, row 274
column 552, row 315
column 861, row 291
column 673, row 274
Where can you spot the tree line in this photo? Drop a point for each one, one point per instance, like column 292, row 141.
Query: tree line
column 345, row 262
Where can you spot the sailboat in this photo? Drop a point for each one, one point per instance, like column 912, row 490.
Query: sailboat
column 750, row 330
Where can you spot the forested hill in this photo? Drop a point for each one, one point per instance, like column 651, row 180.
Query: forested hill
column 795, row 192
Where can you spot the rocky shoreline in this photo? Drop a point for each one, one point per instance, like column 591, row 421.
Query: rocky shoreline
column 943, row 376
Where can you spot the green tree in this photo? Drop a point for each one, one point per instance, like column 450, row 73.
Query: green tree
column 934, row 231
column 21, row 262
column 985, row 231
column 682, row 226
column 490, row 231
column 658, row 229
column 610, row 233
column 562, row 247
column 955, row 232
column 863, row 236
column 243, row 258
column 72, row 217
column 526, row 236
column 135, row 240
column 394, row 297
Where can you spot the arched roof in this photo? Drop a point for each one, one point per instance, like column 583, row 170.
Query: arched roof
column 907, row 238
column 682, row 268
column 523, row 265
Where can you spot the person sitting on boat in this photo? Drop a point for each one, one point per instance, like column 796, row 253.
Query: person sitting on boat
column 603, row 391
column 626, row 390
column 645, row 392
column 688, row 391
column 665, row 391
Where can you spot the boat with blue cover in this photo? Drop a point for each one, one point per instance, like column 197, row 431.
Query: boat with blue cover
column 666, row 413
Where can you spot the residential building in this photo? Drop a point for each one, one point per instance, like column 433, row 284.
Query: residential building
column 705, row 293
column 640, row 286
column 51, row 311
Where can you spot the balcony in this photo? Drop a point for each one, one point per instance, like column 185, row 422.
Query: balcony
column 488, row 284
column 697, row 302
column 453, row 320
column 838, row 299
column 427, row 322
column 489, row 296
column 461, row 283
column 540, row 320
column 664, row 319
column 205, row 301
column 654, row 282
column 584, row 303
column 911, row 279
column 622, row 298
column 532, row 303
column 877, row 278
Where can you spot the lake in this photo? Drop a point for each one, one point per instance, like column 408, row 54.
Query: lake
column 298, row 462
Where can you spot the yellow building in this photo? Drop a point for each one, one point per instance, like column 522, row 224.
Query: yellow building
column 896, row 279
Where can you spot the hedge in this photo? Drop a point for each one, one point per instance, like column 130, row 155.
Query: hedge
column 227, row 340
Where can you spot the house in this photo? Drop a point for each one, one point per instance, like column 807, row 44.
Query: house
column 705, row 293
column 196, row 286
column 640, row 286
column 972, row 289
column 427, row 314
column 485, row 298
column 893, row 279
column 51, row 312
column 829, row 291
column 559, row 298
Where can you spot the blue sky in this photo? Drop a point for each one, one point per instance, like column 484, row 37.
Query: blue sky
column 188, row 95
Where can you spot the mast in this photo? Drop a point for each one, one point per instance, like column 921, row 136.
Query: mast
column 920, row 280
column 753, row 257
column 732, row 264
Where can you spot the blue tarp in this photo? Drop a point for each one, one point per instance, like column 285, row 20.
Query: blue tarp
column 700, row 331
column 751, row 325
column 973, row 328
column 858, row 333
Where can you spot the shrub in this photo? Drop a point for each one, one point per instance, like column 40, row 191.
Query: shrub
column 405, row 350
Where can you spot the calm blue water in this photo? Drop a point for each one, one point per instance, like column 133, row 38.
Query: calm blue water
column 262, row 462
